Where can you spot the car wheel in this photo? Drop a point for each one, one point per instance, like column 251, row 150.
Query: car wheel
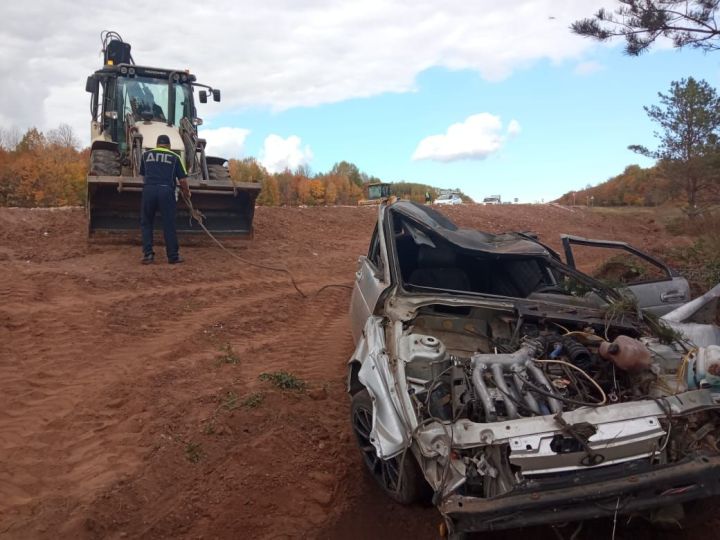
column 400, row 478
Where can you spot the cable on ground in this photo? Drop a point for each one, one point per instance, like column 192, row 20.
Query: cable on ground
column 198, row 216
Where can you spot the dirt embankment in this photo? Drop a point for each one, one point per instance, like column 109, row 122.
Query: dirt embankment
column 130, row 398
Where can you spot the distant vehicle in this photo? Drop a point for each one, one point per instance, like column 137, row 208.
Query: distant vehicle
column 493, row 199
column 374, row 193
column 448, row 198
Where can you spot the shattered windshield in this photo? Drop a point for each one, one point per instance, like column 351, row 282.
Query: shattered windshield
column 505, row 265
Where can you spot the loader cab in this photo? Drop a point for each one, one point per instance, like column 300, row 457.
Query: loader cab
column 126, row 94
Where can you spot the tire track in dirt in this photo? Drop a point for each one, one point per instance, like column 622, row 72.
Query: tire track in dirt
column 318, row 339
column 44, row 390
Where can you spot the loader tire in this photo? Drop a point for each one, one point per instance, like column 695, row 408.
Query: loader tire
column 218, row 172
column 105, row 163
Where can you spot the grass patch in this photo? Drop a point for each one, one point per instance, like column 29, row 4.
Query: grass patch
column 284, row 380
column 193, row 452
column 628, row 305
column 253, row 401
column 227, row 356
column 229, row 401
column 699, row 262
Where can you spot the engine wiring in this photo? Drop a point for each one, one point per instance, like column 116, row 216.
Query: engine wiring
column 588, row 377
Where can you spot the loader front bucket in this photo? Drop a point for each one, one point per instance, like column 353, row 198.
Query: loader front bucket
column 113, row 204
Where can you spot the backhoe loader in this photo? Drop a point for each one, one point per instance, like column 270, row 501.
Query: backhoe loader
column 130, row 106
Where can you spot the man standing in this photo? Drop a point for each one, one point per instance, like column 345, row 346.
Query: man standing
column 161, row 167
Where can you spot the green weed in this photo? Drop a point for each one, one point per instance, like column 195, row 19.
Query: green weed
column 253, row 401
column 284, row 380
column 227, row 356
column 194, row 452
column 230, row 401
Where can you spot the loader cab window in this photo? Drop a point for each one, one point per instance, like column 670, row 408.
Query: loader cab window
column 143, row 96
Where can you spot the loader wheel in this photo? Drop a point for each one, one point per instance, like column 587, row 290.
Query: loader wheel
column 387, row 472
column 218, row 172
column 105, row 163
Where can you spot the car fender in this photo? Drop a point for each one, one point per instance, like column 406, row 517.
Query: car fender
column 389, row 434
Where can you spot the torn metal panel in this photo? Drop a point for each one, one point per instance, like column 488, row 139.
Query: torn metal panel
column 389, row 433
column 698, row 320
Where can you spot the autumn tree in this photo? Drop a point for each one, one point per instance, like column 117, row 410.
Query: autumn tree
column 330, row 192
column 42, row 170
column 689, row 118
column 247, row 170
column 9, row 138
column 63, row 136
column 641, row 22
column 349, row 171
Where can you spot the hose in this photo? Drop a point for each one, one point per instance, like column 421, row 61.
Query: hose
column 198, row 216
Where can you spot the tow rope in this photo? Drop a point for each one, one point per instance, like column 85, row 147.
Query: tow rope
column 198, row 216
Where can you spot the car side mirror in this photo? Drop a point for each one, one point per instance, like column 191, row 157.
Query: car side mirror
column 216, row 95
column 203, row 96
column 91, row 85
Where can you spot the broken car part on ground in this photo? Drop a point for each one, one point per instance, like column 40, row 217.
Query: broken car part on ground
column 516, row 390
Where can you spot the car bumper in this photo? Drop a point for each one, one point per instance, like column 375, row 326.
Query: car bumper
column 695, row 479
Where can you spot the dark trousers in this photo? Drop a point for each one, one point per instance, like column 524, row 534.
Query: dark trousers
column 154, row 198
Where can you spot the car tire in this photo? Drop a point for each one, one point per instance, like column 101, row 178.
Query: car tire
column 387, row 472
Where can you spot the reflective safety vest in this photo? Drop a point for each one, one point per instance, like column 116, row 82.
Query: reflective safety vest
column 161, row 167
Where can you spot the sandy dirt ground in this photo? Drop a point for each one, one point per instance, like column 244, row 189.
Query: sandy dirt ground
column 130, row 399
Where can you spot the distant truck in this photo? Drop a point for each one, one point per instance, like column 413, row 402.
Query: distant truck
column 374, row 193
column 492, row 199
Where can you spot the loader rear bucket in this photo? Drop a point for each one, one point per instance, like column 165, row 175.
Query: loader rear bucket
column 113, row 204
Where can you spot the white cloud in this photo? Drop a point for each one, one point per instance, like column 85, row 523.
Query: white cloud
column 225, row 142
column 588, row 68
column 279, row 154
column 476, row 138
column 278, row 53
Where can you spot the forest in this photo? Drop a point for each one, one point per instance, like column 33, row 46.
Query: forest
column 49, row 169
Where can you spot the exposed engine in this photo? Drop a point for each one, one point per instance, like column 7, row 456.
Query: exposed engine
column 550, row 374
column 547, row 374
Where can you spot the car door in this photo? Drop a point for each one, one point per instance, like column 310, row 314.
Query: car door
column 371, row 279
column 658, row 288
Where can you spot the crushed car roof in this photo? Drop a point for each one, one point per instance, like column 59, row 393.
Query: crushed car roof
column 471, row 239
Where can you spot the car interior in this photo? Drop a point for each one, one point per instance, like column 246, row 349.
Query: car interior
column 428, row 261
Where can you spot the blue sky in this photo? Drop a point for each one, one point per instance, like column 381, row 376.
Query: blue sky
column 491, row 96
column 574, row 128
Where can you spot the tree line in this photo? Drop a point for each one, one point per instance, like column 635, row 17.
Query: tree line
column 50, row 169
column 344, row 184
column 687, row 169
column 38, row 169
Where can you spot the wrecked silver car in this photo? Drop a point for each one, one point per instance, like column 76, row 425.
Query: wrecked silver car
column 515, row 390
